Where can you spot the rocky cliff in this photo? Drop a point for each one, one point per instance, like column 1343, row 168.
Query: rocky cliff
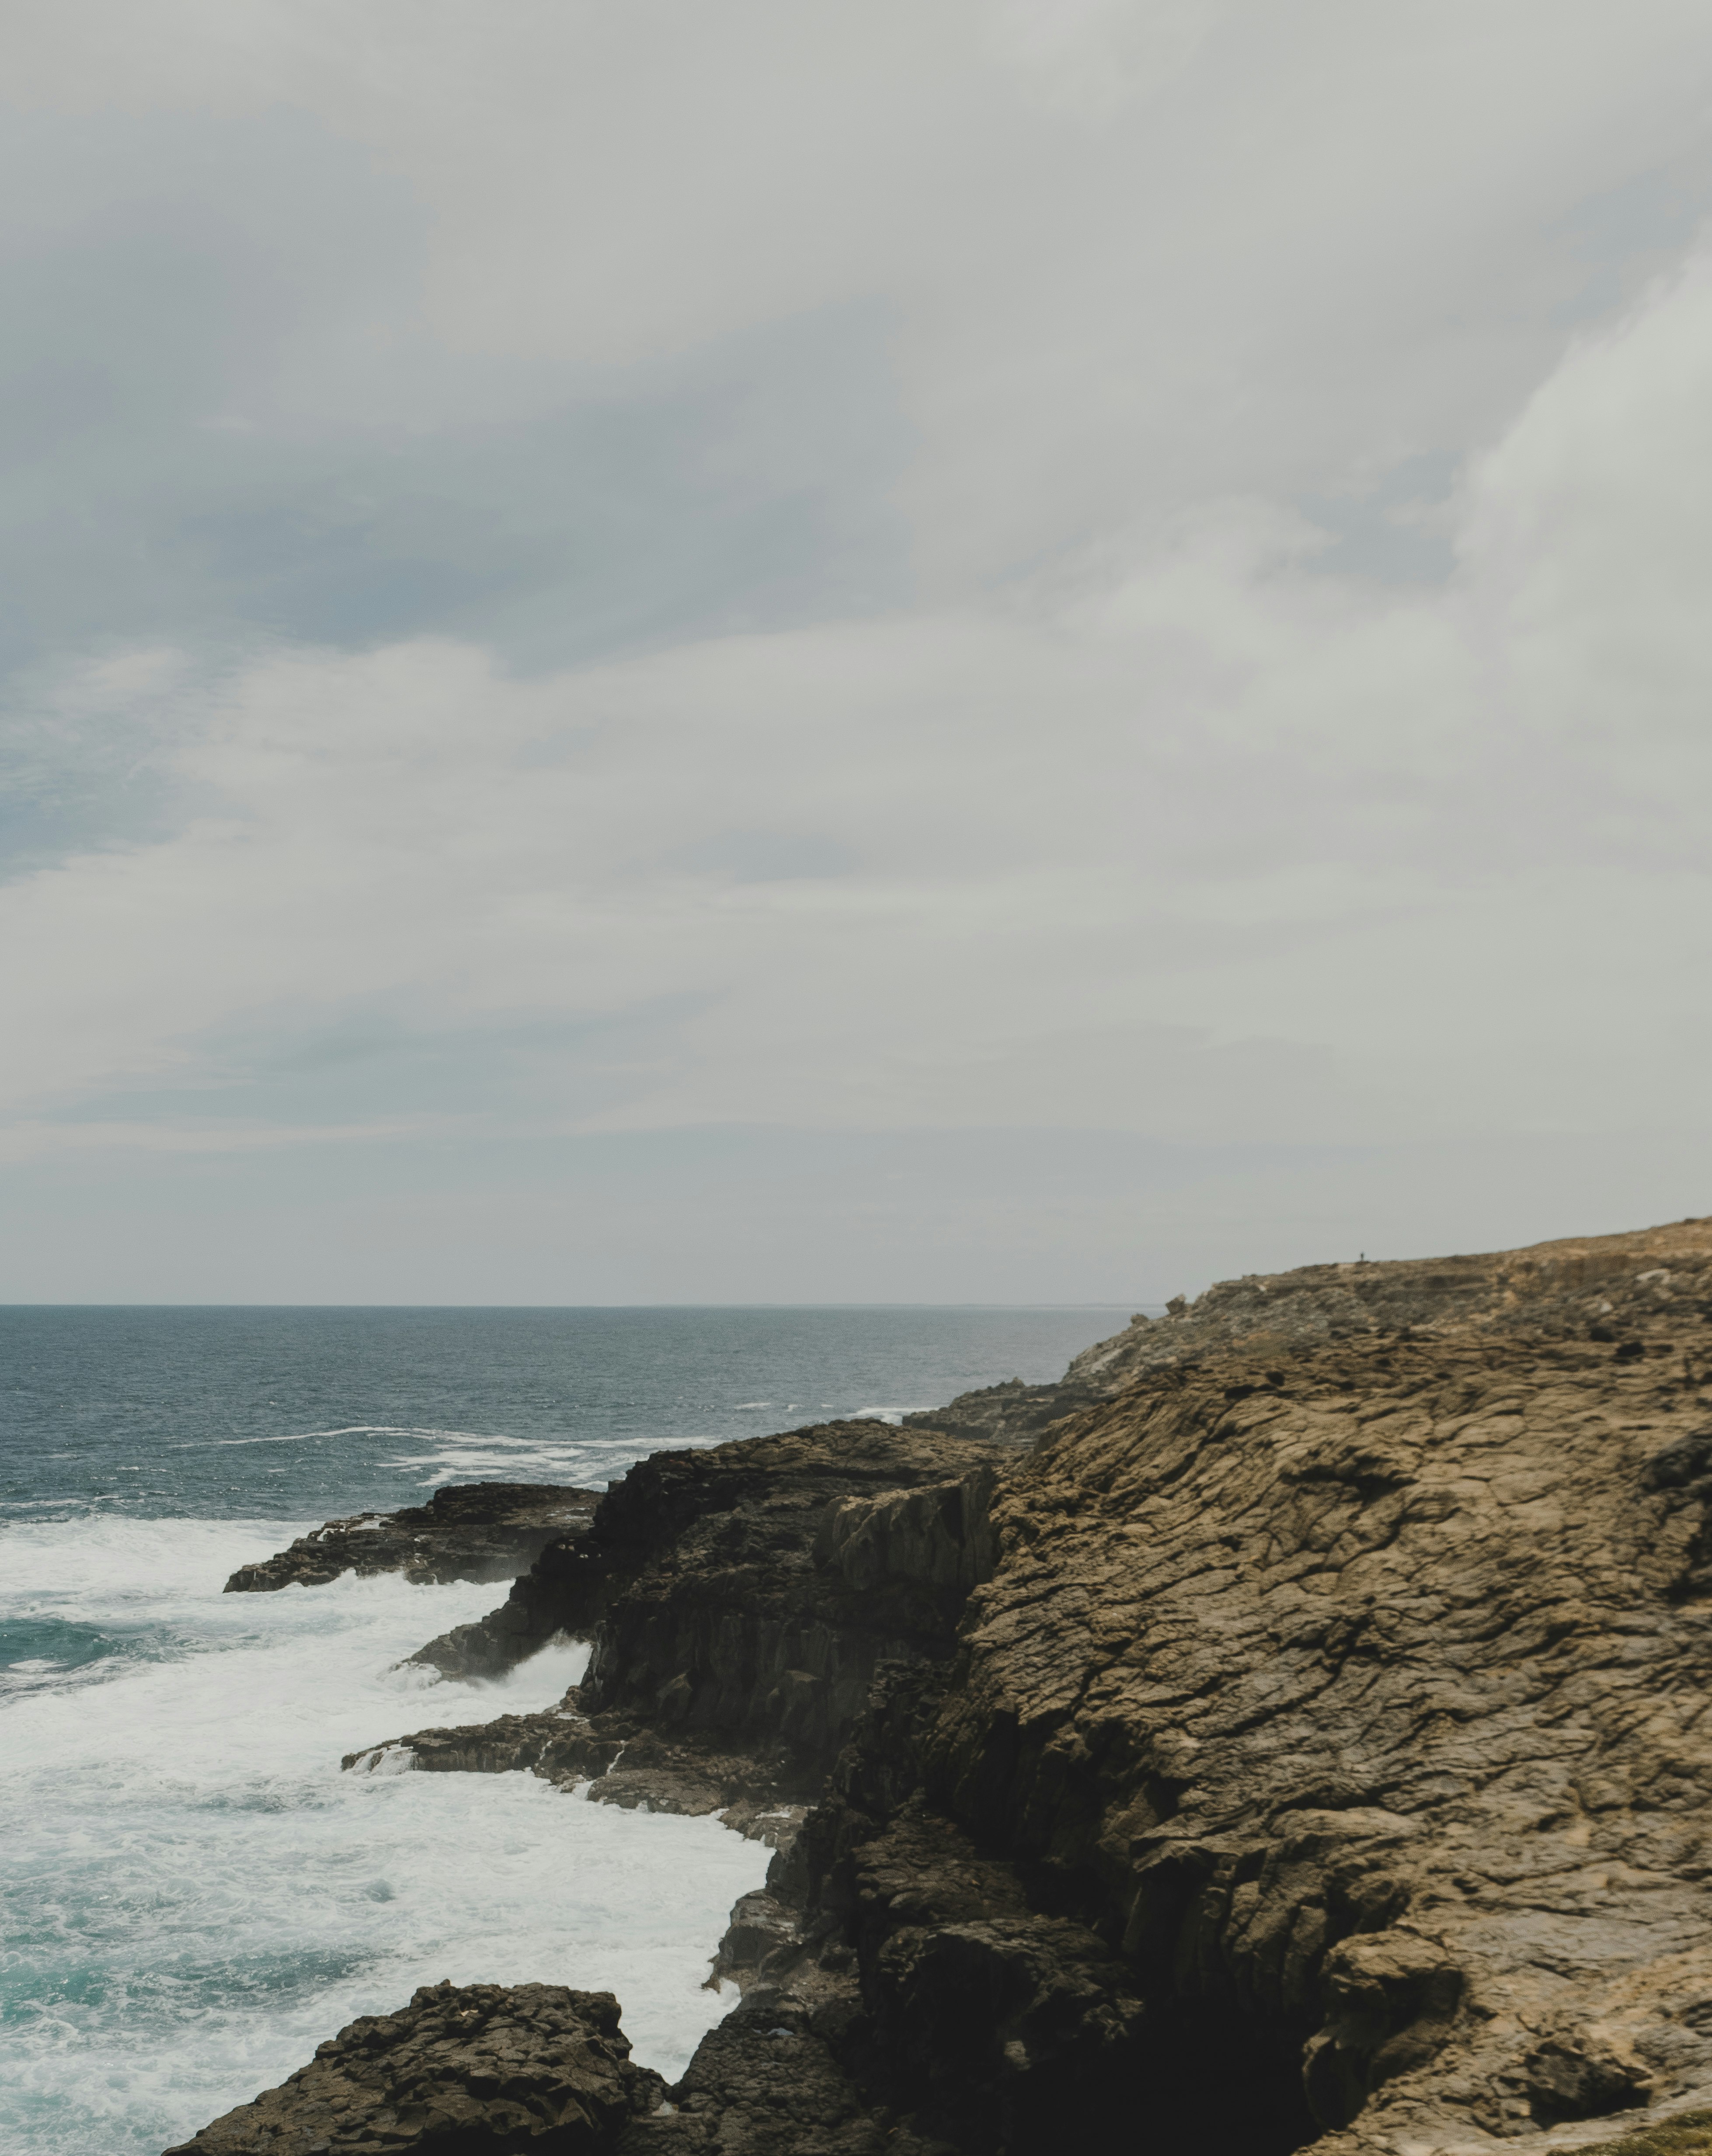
column 1305, row 1742
column 476, row 2069
column 740, row 1601
column 1555, row 1286
column 474, row 1530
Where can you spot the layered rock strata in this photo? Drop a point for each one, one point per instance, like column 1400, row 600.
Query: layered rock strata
column 1548, row 1286
column 473, row 1531
column 700, row 1586
column 1353, row 1702
column 1307, row 1743
column 476, row 2069
column 740, row 1600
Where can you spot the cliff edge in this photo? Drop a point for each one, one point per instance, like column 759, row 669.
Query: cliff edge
column 1303, row 1741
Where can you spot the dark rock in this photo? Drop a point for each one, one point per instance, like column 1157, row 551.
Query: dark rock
column 766, row 2082
column 618, row 1758
column 740, row 1600
column 475, row 1531
column 1012, row 1413
column 711, row 1610
column 476, row 2069
column 1304, row 1743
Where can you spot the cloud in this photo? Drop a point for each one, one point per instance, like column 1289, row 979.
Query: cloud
column 1125, row 570
column 1218, row 843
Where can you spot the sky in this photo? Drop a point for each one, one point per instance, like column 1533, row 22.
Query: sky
column 1013, row 650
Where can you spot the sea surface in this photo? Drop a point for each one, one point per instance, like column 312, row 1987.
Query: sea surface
column 194, row 1896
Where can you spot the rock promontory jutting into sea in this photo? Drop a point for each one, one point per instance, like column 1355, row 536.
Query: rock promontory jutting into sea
column 1295, row 1728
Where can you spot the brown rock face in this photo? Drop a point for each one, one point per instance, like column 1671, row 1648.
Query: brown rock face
column 1549, row 1287
column 474, row 1530
column 1355, row 1695
column 1309, row 1743
column 480, row 2070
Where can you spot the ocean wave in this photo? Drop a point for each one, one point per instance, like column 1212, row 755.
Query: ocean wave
column 197, row 1895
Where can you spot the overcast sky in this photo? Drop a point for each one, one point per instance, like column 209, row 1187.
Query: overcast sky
column 938, row 650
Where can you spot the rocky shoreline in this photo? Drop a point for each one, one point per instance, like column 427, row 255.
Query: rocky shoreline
column 473, row 1531
column 1293, row 1728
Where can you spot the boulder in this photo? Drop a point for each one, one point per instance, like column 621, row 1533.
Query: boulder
column 470, row 2070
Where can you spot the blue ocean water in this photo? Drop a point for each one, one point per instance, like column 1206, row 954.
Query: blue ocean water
column 193, row 1894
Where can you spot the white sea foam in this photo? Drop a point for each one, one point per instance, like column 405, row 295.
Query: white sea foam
column 197, row 1895
column 443, row 1455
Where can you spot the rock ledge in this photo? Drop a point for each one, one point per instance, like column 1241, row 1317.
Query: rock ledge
column 490, row 2068
column 474, row 1530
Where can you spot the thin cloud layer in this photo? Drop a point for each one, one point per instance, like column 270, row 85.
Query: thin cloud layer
column 1117, row 569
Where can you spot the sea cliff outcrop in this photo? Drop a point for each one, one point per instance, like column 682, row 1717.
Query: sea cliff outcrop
column 473, row 1531
column 471, row 2070
column 1308, row 1741
column 740, row 1600
column 1548, row 1286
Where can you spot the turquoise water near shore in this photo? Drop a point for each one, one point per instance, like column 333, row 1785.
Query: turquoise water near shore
column 193, row 1895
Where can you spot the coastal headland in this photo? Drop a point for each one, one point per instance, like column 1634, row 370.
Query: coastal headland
column 1293, row 1728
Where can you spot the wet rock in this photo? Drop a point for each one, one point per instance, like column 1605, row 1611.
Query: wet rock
column 1303, row 1744
column 614, row 1758
column 474, row 1530
column 713, row 1604
column 475, row 2070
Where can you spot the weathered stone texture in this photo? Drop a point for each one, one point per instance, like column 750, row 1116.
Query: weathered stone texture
column 715, row 1621
column 476, row 2069
column 1365, row 1697
column 1309, row 1741
column 475, row 1531
column 1563, row 1286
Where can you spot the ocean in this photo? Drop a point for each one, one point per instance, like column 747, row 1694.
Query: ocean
column 194, row 1896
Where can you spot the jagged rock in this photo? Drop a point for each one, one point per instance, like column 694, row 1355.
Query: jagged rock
column 710, row 1611
column 1564, row 1287
column 1306, row 1743
column 766, row 2082
column 1342, row 1710
column 476, row 2069
column 1012, row 1413
column 740, row 1601
column 615, row 1759
column 1357, row 1700
column 474, row 1530
column 1007, row 2026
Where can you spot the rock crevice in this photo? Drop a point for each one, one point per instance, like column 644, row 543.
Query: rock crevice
column 1303, row 1740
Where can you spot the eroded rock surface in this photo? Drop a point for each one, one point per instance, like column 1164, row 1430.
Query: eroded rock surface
column 616, row 1758
column 1310, row 1741
column 1355, row 1696
column 476, row 2069
column 710, row 1608
column 1548, row 1286
column 766, row 2081
column 474, row 1530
